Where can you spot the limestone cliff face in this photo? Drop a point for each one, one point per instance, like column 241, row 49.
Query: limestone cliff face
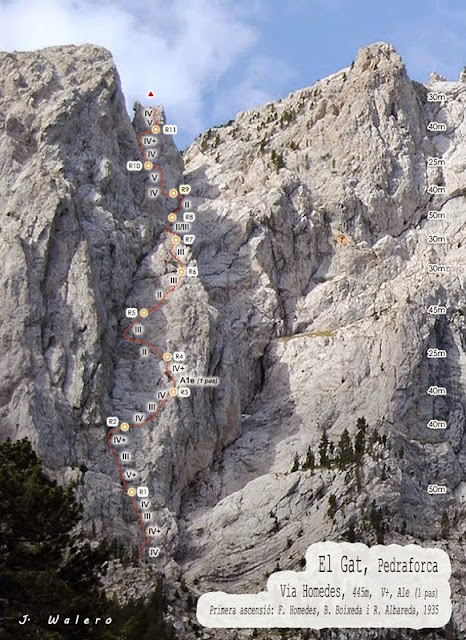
column 312, row 245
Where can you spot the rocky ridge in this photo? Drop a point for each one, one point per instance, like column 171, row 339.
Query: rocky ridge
column 310, row 305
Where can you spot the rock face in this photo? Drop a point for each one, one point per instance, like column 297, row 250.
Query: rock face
column 317, row 261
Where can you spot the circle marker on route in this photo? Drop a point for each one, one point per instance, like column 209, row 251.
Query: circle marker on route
column 155, row 128
column 171, row 217
column 124, row 426
column 132, row 492
column 143, row 313
column 176, row 240
column 173, row 391
column 173, row 193
column 181, row 272
column 167, row 357
column 148, row 165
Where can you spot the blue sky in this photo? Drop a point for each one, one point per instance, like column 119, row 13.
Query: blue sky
column 208, row 59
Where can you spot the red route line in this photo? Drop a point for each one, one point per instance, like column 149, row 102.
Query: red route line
column 150, row 346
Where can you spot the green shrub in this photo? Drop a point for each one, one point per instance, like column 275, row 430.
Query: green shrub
column 277, row 160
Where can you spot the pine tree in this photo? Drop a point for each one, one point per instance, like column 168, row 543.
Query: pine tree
column 357, row 477
column 445, row 524
column 360, row 439
column 323, row 450
column 375, row 436
column 345, row 450
column 351, row 533
column 376, row 520
column 332, row 505
column 309, row 461
column 139, row 620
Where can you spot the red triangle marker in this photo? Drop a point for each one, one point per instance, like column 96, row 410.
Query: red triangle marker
column 150, row 94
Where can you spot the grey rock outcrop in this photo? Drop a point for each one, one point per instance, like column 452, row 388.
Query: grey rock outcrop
column 313, row 245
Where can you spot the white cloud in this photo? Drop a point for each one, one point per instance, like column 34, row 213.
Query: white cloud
column 178, row 48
